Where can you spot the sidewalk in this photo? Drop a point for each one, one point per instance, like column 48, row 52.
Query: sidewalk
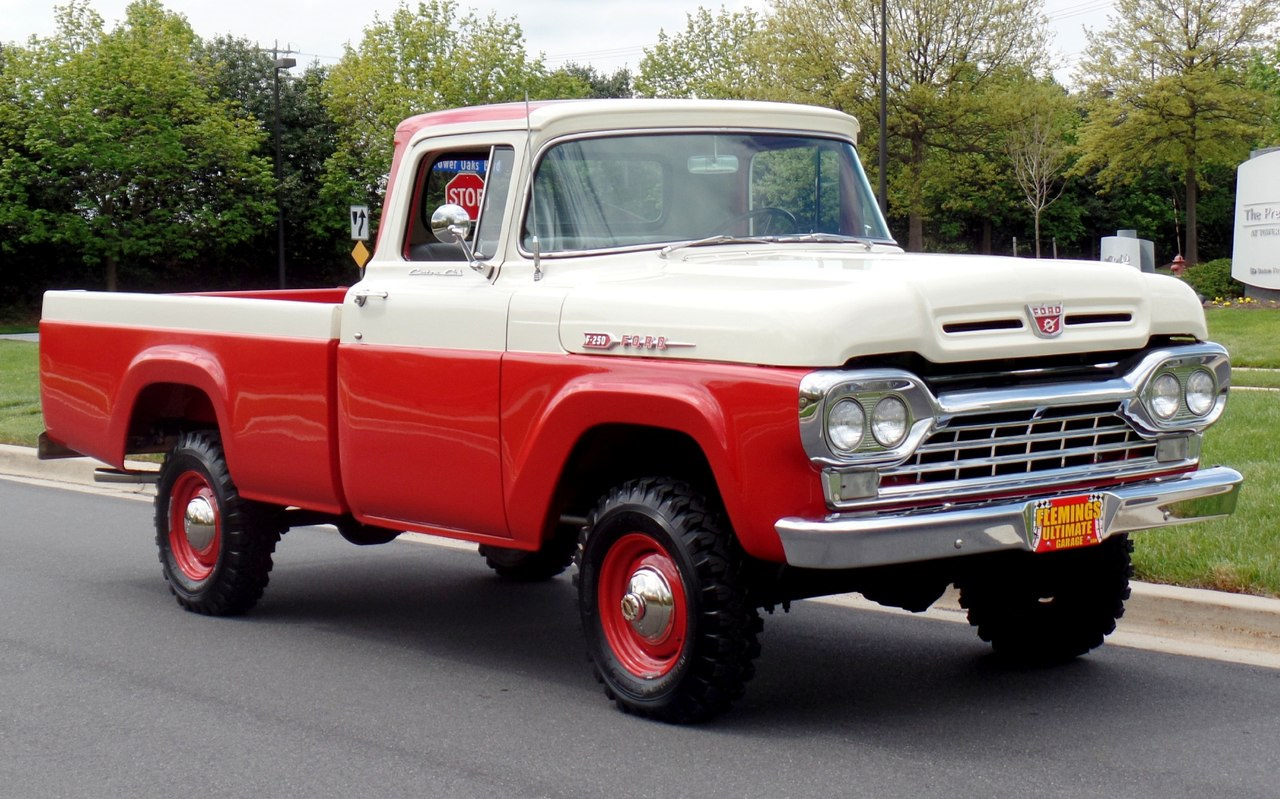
column 1187, row 621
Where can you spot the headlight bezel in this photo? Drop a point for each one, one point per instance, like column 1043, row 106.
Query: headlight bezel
column 1180, row 369
column 823, row 392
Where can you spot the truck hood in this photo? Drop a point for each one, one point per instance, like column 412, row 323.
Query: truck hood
column 794, row 305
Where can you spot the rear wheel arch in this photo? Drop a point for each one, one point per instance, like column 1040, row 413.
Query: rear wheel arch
column 161, row 411
column 167, row 391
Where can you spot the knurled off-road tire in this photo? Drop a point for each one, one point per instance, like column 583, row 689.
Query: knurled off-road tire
column 668, row 626
column 523, row 566
column 1049, row 608
column 215, row 548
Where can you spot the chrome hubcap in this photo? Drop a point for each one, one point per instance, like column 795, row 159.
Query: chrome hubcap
column 648, row 603
column 200, row 523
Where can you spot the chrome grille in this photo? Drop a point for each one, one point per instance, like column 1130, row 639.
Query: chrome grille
column 992, row 448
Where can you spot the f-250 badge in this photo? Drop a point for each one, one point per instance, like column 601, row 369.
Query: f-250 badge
column 1047, row 318
column 607, row 341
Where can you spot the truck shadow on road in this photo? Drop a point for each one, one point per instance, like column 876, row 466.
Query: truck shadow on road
column 887, row 680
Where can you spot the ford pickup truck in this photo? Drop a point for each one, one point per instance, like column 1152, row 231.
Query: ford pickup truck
column 673, row 345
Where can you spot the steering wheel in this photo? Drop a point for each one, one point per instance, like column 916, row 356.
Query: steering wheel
column 775, row 221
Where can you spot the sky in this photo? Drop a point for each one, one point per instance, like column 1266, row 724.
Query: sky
column 606, row 34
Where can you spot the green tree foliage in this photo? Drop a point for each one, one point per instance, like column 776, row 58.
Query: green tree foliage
column 1264, row 75
column 1168, row 78
column 946, row 59
column 716, row 56
column 244, row 73
column 421, row 59
column 120, row 153
column 598, row 85
column 1038, row 145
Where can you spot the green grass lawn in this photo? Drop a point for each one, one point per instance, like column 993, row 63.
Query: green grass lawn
column 1257, row 378
column 1241, row 553
column 1251, row 336
column 20, row 420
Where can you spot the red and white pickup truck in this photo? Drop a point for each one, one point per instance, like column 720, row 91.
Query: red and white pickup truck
column 679, row 347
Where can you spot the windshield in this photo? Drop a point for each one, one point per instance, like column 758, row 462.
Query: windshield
column 657, row 189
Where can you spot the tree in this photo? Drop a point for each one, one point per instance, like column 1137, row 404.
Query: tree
column 242, row 72
column 123, row 155
column 418, row 60
column 598, row 85
column 944, row 58
column 1037, row 146
column 712, row 58
column 1264, row 75
column 1170, row 94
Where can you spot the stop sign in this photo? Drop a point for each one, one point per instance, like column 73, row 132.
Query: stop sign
column 465, row 189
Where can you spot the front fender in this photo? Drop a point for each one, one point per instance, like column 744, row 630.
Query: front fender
column 743, row 418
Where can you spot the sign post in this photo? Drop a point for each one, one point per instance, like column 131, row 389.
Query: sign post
column 360, row 234
column 360, row 222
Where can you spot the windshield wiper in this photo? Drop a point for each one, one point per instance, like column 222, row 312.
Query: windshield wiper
column 802, row 238
column 721, row 238
column 826, row 238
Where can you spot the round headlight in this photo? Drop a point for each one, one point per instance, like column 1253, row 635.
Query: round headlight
column 1200, row 392
column 889, row 421
column 1166, row 395
column 846, row 422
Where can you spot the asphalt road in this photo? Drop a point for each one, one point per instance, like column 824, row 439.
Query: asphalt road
column 408, row 670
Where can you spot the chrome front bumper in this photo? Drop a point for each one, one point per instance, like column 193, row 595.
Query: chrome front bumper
column 852, row 541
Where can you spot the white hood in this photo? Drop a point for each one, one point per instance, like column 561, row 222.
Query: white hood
column 795, row 305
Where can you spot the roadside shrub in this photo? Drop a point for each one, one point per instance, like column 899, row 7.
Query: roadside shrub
column 1213, row 279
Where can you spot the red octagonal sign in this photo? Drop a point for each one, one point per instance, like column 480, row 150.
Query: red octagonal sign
column 465, row 189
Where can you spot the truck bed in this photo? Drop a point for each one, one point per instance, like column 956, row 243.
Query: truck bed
column 111, row 366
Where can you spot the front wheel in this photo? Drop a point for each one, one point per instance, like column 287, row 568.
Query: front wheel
column 215, row 548
column 1050, row 608
column 668, row 626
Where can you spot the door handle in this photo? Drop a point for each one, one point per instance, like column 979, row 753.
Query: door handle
column 362, row 296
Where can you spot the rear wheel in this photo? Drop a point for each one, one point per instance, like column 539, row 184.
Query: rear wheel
column 1050, row 608
column 523, row 566
column 215, row 548
column 668, row 626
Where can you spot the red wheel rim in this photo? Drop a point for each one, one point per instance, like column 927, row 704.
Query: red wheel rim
column 195, row 526
column 648, row 642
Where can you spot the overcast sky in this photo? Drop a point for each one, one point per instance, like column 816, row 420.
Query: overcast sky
column 604, row 33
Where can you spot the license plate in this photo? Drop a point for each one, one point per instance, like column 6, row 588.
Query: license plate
column 1065, row 522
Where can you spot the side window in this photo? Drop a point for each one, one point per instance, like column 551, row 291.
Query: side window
column 477, row 180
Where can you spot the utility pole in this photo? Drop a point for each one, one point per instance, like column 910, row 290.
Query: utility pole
column 280, row 63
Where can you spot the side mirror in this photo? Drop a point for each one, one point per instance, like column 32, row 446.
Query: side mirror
column 451, row 224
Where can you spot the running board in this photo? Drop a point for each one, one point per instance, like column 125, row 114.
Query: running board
column 126, row 476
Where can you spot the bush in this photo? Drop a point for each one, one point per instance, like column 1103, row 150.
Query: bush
column 1213, row 279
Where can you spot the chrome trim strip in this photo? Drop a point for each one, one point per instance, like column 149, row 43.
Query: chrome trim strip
column 1032, row 483
column 848, row 541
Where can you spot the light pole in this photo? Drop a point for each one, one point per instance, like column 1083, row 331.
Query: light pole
column 884, row 108
column 280, row 63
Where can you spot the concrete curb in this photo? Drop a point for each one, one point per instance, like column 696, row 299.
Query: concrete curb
column 1231, row 627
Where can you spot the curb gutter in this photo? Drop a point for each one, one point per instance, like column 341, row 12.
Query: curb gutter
column 1214, row 624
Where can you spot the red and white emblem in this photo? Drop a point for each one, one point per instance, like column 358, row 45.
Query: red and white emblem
column 1046, row 319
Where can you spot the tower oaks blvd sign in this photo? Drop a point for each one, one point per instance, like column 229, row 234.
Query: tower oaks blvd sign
column 465, row 189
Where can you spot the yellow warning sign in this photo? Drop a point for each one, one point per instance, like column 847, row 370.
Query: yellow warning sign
column 361, row 254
